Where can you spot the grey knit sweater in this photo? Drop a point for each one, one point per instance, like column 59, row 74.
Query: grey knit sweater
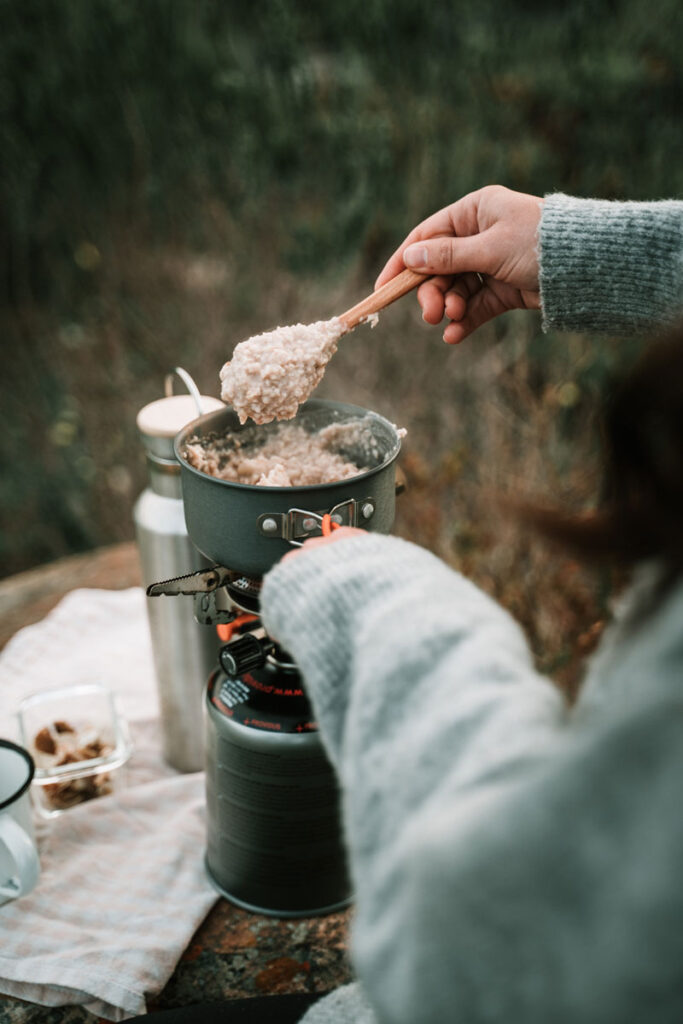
column 610, row 266
column 513, row 861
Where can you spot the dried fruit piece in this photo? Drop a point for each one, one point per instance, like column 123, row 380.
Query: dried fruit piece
column 44, row 741
column 68, row 758
column 90, row 751
column 62, row 727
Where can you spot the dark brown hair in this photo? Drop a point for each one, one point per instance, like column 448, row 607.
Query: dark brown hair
column 640, row 514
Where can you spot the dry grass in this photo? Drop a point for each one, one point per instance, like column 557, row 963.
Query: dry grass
column 508, row 413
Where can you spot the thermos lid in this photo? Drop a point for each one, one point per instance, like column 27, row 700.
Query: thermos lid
column 160, row 421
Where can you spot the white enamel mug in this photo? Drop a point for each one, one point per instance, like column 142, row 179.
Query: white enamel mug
column 19, row 864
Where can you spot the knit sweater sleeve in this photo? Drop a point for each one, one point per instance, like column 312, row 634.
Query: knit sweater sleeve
column 610, row 266
column 486, row 860
column 425, row 694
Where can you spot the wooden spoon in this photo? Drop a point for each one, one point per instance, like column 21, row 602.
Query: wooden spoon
column 314, row 347
column 384, row 296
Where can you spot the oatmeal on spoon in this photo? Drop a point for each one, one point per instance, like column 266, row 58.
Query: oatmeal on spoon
column 271, row 374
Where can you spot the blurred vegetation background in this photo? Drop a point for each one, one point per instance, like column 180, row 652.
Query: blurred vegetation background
column 180, row 174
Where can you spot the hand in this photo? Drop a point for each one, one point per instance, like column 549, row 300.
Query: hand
column 332, row 538
column 483, row 253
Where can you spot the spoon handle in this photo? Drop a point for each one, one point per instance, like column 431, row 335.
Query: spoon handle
column 384, row 296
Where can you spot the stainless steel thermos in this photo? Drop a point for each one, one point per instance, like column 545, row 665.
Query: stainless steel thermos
column 185, row 652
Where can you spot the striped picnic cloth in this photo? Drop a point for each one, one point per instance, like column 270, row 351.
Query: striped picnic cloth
column 122, row 886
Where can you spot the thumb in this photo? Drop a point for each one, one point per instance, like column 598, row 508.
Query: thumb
column 448, row 255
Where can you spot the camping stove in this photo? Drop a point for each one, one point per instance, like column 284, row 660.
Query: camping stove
column 273, row 809
column 273, row 817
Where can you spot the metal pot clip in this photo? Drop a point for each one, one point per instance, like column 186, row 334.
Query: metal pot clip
column 297, row 524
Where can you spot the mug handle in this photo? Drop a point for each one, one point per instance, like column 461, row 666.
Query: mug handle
column 25, row 857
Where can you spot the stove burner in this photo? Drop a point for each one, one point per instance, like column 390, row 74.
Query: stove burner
column 244, row 591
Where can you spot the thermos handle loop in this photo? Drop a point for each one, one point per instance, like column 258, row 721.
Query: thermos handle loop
column 189, row 384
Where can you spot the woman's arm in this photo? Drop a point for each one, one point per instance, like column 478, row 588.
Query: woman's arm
column 604, row 266
column 503, row 858
column 385, row 633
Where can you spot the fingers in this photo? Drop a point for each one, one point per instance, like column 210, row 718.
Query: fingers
column 484, row 305
column 439, row 224
column 467, row 299
column 441, row 295
column 459, row 219
column 430, row 296
column 492, row 231
column 454, row 255
column 457, row 297
column 333, row 538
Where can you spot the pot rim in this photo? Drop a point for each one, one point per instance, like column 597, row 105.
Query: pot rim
column 182, row 436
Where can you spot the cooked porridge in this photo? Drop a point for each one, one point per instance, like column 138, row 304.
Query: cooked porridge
column 271, row 374
column 288, row 456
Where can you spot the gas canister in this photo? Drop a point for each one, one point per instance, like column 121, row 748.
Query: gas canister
column 274, row 833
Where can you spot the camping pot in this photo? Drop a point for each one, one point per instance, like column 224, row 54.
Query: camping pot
column 249, row 528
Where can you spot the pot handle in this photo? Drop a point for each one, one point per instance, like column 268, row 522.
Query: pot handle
column 298, row 524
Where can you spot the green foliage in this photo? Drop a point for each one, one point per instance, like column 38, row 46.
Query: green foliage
column 332, row 126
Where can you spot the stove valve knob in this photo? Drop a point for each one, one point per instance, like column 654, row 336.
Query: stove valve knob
column 245, row 654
